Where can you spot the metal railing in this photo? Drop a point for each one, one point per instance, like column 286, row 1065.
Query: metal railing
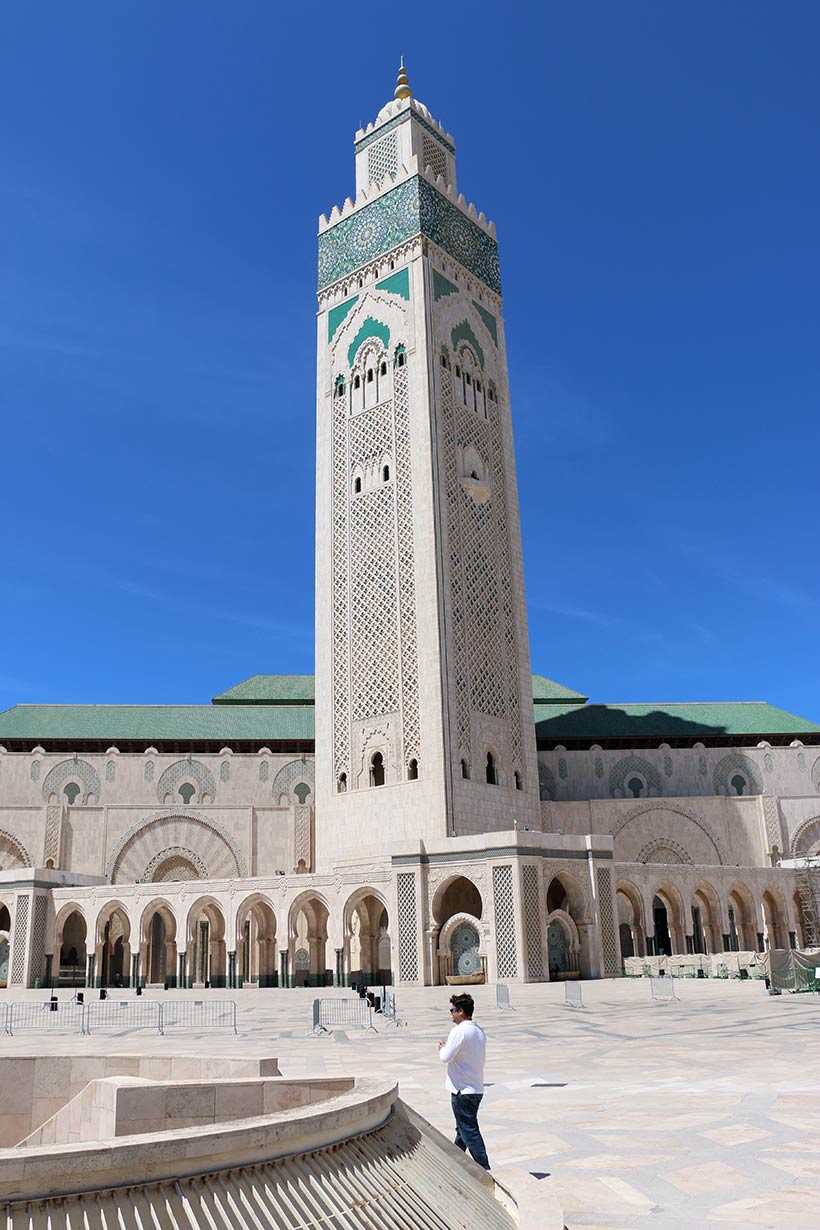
column 662, row 989
column 341, row 1014
column 502, row 997
column 122, row 1014
column 51, row 1016
column 390, row 1010
column 56, row 1015
column 197, row 1014
column 572, row 995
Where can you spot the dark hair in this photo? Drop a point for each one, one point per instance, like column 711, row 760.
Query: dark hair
column 463, row 1003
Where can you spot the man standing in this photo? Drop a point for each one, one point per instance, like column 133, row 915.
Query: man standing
column 464, row 1053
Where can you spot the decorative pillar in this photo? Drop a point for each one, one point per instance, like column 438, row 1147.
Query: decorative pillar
column 650, row 945
column 727, row 942
column 183, row 974
column 232, row 969
column 47, row 976
column 761, row 947
column 339, row 979
column 690, row 945
column 284, row 970
column 89, row 977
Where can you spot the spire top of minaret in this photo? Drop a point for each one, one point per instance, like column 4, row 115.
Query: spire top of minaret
column 402, row 85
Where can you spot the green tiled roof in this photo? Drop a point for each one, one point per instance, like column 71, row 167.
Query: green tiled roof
column 548, row 692
column 157, row 723
column 666, row 721
column 269, row 690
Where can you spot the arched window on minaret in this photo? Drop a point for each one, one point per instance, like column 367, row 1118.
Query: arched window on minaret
column 401, row 357
column 341, row 784
column 465, row 769
column 492, row 774
column 413, row 770
column 517, row 777
column 377, row 769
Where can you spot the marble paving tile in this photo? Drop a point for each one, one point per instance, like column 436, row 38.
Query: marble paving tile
column 693, row 1180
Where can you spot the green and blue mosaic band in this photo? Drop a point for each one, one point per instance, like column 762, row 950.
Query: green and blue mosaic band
column 414, row 207
column 388, row 124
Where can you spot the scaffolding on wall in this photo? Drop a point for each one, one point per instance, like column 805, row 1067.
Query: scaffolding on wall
column 808, row 892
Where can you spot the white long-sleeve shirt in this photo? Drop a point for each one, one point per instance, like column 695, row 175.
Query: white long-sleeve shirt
column 464, row 1053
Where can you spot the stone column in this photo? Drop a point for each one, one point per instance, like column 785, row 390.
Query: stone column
column 182, row 959
column 284, row 967
column 135, row 969
column 232, row 969
column 89, row 977
column 49, row 962
column 339, row 979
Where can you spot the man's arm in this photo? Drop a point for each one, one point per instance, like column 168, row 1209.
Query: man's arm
column 449, row 1049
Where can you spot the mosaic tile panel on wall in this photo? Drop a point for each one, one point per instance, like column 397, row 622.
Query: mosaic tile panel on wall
column 412, row 208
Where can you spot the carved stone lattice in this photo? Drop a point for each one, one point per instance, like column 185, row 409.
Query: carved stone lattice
column 411, row 730
column 51, row 846
column 225, row 771
column 546, row 782
column 383, row 158
column 295, row 773
column 341, row 652
column 532, row 922
column 73, row 770
column 264, row 770
column 374, row 631
column 664, row 850
column 609, row 945
column 485, row 652
column 408, row 926
column 18, row 962
column 301, row 835
column 434, row 156
column 504, row 903
column 38, row 937
column 771, row 817
column 110, row 771
column 172, row 864
column 193, row 771
column 733, row 765
column 149, row 770
column 629, row 768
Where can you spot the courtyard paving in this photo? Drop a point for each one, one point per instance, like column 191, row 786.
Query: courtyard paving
column 700, row 1113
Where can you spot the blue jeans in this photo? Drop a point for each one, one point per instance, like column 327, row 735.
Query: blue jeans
column 468, row 1134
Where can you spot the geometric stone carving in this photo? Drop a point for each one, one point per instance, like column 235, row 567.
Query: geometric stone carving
column 408, row 932
column 216, row 849
column 532, row 921
column 609, row 944
column 546, row 781
column 172, row 864
column 504, row 921
column 295, row 773
column 12, row 852
column 190, row 771
column 18, row 964
column 634, row 768
column 736, row 765
column 663, row 850
column 73, row 770
column 51, row 846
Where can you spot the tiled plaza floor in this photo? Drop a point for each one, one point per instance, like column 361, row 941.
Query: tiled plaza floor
column 702, row 1113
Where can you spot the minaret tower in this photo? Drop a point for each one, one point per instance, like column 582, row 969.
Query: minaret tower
column 424, row 717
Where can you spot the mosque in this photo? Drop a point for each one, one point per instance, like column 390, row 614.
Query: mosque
column 425, row 809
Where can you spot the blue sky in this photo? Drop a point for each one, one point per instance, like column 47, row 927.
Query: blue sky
column 653, row 172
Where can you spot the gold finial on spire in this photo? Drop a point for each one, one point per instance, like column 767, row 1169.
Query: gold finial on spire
column 402, row 86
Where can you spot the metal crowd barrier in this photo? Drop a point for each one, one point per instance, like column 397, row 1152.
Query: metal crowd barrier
column 663, row 989
column 56, row 1015
column 573, row 997
column 123, row 1014
column 502, row 996
column 197, row 1014
column 390, row 1010
column 52, row 1016
column 342, row 1013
